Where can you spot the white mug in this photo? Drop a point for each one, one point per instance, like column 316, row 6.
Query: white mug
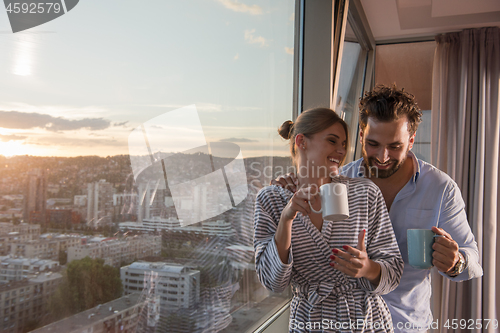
column 334, row 203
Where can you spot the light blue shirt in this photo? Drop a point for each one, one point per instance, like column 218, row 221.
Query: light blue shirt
column 430, row 198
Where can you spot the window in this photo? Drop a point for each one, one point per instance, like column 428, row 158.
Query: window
column 355, row 75
column 85, row 93
column 392, row 67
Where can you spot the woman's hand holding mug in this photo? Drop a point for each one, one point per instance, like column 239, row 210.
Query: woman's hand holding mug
column 300, row 202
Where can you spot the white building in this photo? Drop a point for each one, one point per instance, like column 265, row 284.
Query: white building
column 153, row 224
column 117, row 251
column 159, row 224
column 80, row 200
column 177, row 286
column 65, row 240
column 122, row 199
column 156, row 224
column 17, row 269
column 40, row 248
column 219, row 228
column 25, row 231
column 99, row 203
column 151, row 200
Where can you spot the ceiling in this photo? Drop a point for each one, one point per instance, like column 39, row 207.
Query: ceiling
column 392, row 20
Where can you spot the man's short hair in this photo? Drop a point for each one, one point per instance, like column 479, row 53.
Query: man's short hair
column 386, row 104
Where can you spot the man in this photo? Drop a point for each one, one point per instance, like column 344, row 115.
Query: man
column 418, row 196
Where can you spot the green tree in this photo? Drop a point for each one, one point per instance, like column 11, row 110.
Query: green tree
column 63, row 257
column 87, row 283
column 31, row 325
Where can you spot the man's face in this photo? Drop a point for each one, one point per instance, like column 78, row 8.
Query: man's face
column 385, row 146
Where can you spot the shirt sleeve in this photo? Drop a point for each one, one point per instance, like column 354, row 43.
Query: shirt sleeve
column 382, row 247
column 453, row 220
column 271, row 271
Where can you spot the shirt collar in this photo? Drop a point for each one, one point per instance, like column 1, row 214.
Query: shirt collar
column 416, row 166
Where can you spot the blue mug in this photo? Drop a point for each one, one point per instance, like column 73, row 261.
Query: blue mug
column 420, row 247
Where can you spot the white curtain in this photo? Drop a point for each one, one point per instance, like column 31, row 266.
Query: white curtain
column 465, row 145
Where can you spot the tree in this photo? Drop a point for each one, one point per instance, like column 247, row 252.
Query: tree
column 86, row 284
column 63, row 257
column 31, row 325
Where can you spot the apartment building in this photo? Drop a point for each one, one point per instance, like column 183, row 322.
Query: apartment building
column 41, row 248
column 18, row 269
column 219, row 228
column 10, row 233
column 22, row 302
column 117, row 251
column 119, row 315
column 65, row 241
column 99, row 203
column 177, row 286
column 31, row 231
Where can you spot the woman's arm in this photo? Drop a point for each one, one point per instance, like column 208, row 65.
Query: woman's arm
column 272, row 241
column 382, row 247
column 272, row 271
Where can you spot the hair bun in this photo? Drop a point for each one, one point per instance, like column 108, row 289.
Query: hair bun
column 285, row 129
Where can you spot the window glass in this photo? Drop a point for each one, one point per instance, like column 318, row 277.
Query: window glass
column 392, row 68
column 350, row 87
column 147, row 129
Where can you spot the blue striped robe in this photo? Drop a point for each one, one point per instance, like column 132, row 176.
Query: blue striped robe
column 325, row 299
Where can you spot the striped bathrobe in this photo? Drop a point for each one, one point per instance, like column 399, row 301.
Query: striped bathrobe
column 325, row 299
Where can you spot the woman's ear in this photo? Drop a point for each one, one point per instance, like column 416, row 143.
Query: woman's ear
column 300, row 141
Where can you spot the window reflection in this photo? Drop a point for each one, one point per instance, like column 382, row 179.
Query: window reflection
column 351, row 84
column 74, row 92
column 392, row 68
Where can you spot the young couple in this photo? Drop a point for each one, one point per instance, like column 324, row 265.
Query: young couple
column 341, row 272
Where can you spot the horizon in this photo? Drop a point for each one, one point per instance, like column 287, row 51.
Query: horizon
column 128, row 155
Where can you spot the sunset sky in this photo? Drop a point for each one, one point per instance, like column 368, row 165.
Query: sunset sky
column 80, row 84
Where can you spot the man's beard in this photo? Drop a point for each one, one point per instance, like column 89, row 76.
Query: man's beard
column 375, row 172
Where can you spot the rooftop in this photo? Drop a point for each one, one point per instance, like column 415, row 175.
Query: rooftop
column 14, row 285
column 159, row 266
column 92, row 316
column 40, row 278
column 46, row 277
column 25, row 261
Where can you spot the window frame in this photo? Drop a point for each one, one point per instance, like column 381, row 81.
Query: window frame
column 320, row 29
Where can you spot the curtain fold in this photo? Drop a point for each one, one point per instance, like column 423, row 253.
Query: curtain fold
column 465, row 143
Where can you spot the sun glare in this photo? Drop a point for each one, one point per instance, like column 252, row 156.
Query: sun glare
column 24, row 55
column 12, row 148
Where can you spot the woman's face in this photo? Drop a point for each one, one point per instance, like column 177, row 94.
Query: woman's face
column 323, row 151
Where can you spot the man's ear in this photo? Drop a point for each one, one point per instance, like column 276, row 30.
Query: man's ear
column 412, row 141
column 361, row 135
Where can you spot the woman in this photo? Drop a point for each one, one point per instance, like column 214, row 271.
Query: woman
column 337, row 270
